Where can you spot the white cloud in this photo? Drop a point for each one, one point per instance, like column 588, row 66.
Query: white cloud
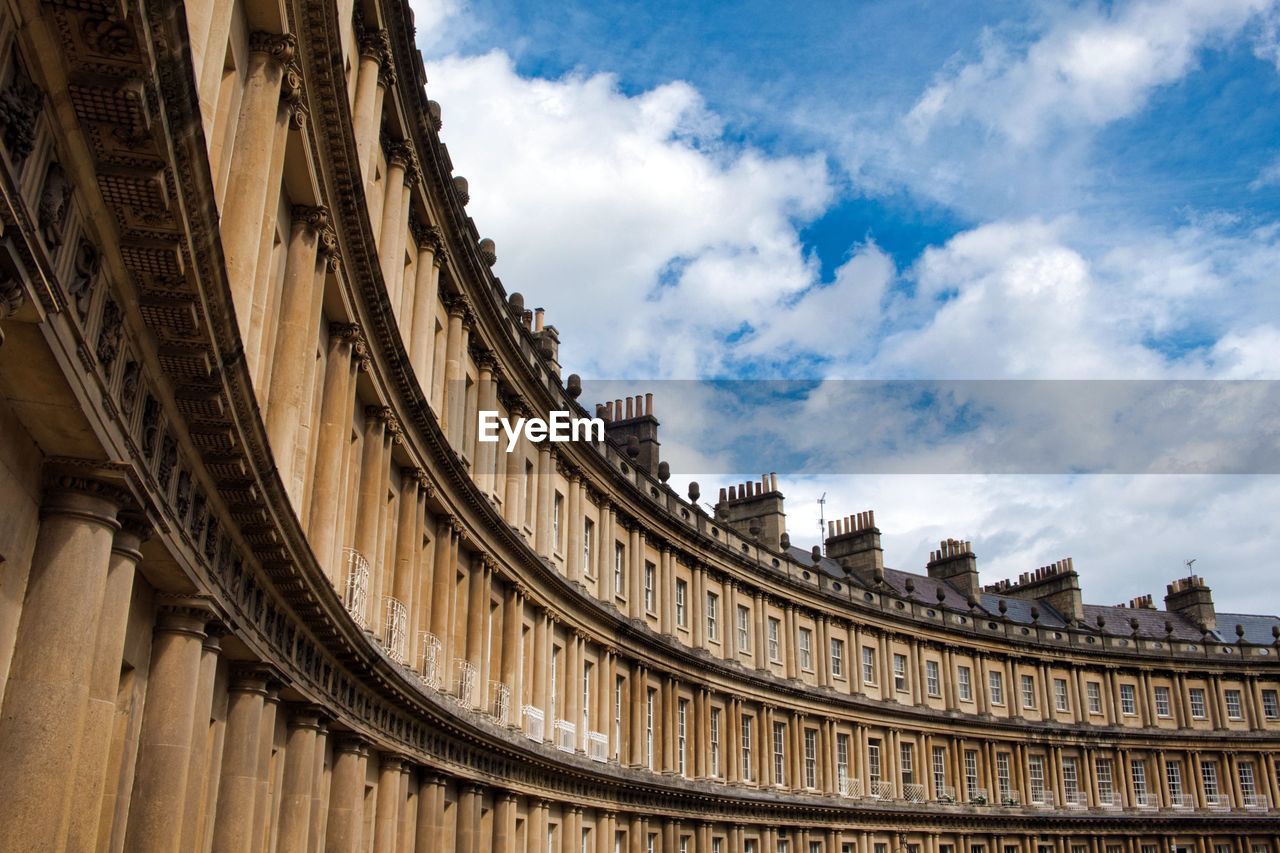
column 650, row 238
column 1127, row 535
column 1270, row 174
column 627, row 216
column 1091, row 67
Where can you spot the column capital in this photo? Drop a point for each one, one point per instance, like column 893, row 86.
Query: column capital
column 78, row 494
column 183, row 614
column 375, row 44
column 255, row 677
column 329, row 248
column 313, row 217
column 392, row 761
column 306, row 715
column 459, row 306
column 134, row 530
column 293, row 96
column 428, row 237
column 351, row 742
column 280, row 47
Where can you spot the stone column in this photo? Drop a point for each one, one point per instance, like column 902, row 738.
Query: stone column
column 761, row 626
column 793, row 669
column 164, row 749
column 541, row 664
column 444, row 573
column 53, row 660
column 299, row 778
column 251, row 157
column 372, row 79
column 346, row 796
column 104, row 682
column 545, row 475
column 337, row 401
column 573, row 523
column 455, row 398
column 201, row 789
column 387, row 810
column 394, row 229
column 430, row 812
column 426, row 293
column 486, row 455
column 467, row 838
column 504, row 823
column 238, row 789
column 477, row 612
column 288, row 391
column 372, row 502
column 407, row 578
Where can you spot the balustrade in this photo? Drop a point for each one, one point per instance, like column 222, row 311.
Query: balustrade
column 566, row 735
column 355, row 591
column 597, row 746
column 500, row 704
column 395, row 637
column 432, row 671
column 467, row 684
column 535, row 723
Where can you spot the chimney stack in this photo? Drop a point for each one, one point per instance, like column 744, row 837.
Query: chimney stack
column 635, row 418
column 955, row 563
column 1192, row 598
column 854, row 542
column 757, row 506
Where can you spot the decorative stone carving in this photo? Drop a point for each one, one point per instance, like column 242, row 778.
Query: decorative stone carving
column 83, row 274
column 109, row 335
column 109, row 36
column 150, row 425
column 168, row 458
column 293, row 96
column 315, row 217
column 19, row 105
column 55, row 197
column 129, row 386
column 462, row 188
column 488, row 251
column 279, row 46
column 435, row 115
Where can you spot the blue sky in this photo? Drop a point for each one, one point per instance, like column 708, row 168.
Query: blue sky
column 896, row 190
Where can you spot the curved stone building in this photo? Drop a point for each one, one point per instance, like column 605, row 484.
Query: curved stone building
column 262, row 589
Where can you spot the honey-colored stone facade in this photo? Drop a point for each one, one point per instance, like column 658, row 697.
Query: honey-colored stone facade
column 262, row 589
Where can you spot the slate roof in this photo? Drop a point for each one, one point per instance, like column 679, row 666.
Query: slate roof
column 1257, row 629
column 1151, row 623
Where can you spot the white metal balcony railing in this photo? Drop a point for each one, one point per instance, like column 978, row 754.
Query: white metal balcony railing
column 881, row 790
column 851, row 788
column 355, row 591
column 566, row 735
column 1255, row 802
column 978, row 796
column 395, row 630
column 946, row 794
column 1181, row 801
column 467, row 684
column 1041, row 799
column 1010, row 798
column 1144, row 799
column 597, row 746
column 1217, row 802
column 535, row 723
column 1075, row 800
column 500, row 703
column 1110, row 800
column 913, row 792
column 432, row 672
